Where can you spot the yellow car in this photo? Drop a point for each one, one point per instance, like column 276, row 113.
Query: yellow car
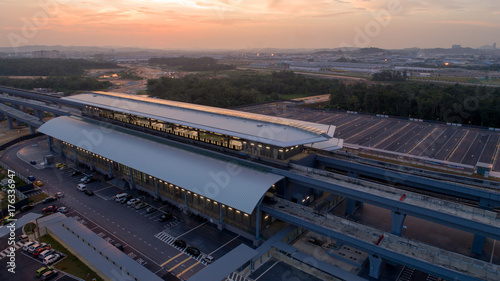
column 60, row 165
column 38, row 183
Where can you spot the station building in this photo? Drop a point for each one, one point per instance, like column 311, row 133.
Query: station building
column 173, row 150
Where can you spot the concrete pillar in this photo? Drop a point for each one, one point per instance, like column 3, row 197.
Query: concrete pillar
column 32, row 129
column 257, row 226
column 375, row 266
column 11, row 124
column 61, row 149
column 221, row 221
column 91, row 161
column 397, row 223
column 40, row 114
column 50, row 141
column 185, row 199
column 2, row 116
column 131, row 178
column 350, row 206
column 19, row 122
column 156, row 186
column 111, row 171
column 478, row 242
column 76, row 155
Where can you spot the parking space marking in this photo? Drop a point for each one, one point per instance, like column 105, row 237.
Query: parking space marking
column 178, row 275
column 189, row 230
column 171, row 259
column 266, row 271
column 223, row 245
column 179, row 264
column 103, row 188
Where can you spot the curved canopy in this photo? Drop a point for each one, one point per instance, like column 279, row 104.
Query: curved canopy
column 229, row 183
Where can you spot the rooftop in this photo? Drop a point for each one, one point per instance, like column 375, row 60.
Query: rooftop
column 276, row 131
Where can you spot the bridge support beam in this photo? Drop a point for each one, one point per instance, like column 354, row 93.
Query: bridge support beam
column 11, row 123
column 478, row 242
column 50, row 142
column 32, row 129
column 351, row 205
column 375, row 266
column 2, row 116
column 61, row 149
column 397, row 223
column 19, row 122
column 40, row 114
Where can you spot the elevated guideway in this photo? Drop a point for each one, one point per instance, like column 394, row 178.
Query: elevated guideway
column 381, row 245
column 401, row 203
column 36, row 96
column 39, row 105
column 488, row 197
column 20, row 116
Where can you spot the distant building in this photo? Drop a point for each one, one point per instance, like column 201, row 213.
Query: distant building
column 456, row 46
column 54, row 54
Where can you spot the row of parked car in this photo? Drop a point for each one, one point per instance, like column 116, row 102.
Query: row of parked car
column 42, row 251
column 138, row 204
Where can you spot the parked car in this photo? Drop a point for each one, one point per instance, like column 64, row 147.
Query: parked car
column 31, row 178
column 180, row 243
column 63, row 210
column 209, row 259
column 33, row 162
column 150, row 210
column 38, row 183
column 46, row 253
column 193, row 251
column 119, row 246
column 60, row 165
column 86, row 178
column 165, row 217
column 133, row 201
column 48, row 200
column 76, row 173
column 35, row 246
column 140, row 205
column 125, row 199
column 28, row 244
column 42, row 270
column 38, row 251
column 89, row 192
column 49, row 275
column 26, row 208
column 50, row 209
column 119, row 196
column 59, row 195
column 51, row 259
column 81, row 187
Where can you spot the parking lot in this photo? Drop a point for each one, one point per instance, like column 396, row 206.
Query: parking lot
column 439, row 141
column 143, row 237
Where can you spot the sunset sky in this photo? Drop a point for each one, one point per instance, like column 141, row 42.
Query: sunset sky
column 231, row 24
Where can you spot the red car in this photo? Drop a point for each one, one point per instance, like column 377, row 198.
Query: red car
column 49, row 209
column 37, row 252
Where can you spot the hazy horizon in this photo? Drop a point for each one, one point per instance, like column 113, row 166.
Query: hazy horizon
column 239, row 24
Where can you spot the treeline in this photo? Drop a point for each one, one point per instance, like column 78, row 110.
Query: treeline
column 49, row 67
column 457, row 104
column 392, row 76
column 238, row 90
column 192, row 64
column 58, row 84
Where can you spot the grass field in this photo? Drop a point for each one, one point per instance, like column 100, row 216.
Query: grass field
column 70, row 264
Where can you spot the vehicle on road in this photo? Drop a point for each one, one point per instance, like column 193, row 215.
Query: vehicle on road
column 165, row 217
column 59, row 195
column 42, row 270
column 140, row 205
column 193, row 251
column 89, row 192
column 180, row 243
column 48, row 200
column 209, row 259
column 49, row 275
column 31, row 178
column 120, row 196
column 63, row 210
column 38, row 183
column 60, row 165
column 50, row 209
column 81, row 187
column 87, row 178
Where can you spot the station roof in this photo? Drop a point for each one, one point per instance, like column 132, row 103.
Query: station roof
column 238, row 186
column 276, row 131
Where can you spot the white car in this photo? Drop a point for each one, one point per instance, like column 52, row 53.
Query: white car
column 50, row 259
column 133, row 201
column 28, row 244
column 81, row 187
column 63, row 210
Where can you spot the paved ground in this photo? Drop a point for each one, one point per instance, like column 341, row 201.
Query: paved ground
column 145, row 239
column 274, row 270
column 433, row 140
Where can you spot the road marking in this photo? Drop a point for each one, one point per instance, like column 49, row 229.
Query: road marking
column 266, row 270
column 171, row 259
column 178, row 275
column 190, row 230
column 177, row 265
column 223, row 245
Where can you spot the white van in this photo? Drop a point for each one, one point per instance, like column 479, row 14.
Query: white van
column 120, row 196
column 50, row 259
column 81, row 187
